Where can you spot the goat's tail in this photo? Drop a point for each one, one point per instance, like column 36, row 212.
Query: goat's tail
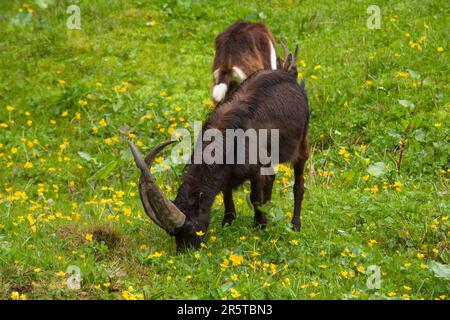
column 219, row 91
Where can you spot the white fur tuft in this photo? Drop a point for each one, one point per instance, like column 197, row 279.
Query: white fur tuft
column 273, row 57
column 238, row 74
column 219, row 91
column 216, row 74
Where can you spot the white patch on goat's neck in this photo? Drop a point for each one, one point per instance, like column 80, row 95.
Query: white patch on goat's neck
column 238, row 74
column 273, row 56
column 216, row 75
column 219, row 91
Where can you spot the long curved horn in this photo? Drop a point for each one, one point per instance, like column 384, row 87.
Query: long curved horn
column 166, row 214
column 294, row 58
column 286, row 53
column 143, row 185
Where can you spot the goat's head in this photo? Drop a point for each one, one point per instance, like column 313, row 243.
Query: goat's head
column 161, row 210
column 290, row 61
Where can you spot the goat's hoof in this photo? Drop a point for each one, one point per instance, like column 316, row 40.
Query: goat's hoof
column 228, row 219
column 296, row 227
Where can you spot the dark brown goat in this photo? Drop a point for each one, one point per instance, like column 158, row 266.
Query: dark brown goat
column 269, row 99
column 242, row 49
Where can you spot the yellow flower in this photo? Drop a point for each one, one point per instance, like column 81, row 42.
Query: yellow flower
column 200, row 233
column 420, row 255
column 17, row 296
column 361, row 269
column 401, row 74
column 156, row 254
column 234, row 277
column 234, row 293
column 61, row 274
column 237, row 260
column 317, row 67
column 98, row 84
column 62, row 82
column 10, row 108
column 28, row 165
column 392, row 294
column 102, row 122
column 89, row 236
column 294, row 242
column 440, row 49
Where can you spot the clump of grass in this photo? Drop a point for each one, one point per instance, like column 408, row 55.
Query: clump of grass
column 108, row 236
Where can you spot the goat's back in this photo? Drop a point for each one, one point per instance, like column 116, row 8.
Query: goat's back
column 269, row 99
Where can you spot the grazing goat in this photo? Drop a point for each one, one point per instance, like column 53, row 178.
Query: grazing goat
column 269, row 99
column 242, row 49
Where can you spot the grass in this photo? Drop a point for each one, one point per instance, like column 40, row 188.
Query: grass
column 68, row 194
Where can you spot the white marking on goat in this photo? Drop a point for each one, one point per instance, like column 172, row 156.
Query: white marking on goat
column 216, row 74
column 219, row 91
column 273, row 56
column 238, row 74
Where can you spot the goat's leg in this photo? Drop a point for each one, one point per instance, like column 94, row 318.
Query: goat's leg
column 257, row 199
column 299, row 189
column 230, row 211
column 268, row 187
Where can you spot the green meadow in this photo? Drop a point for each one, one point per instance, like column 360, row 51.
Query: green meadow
column 373, row 227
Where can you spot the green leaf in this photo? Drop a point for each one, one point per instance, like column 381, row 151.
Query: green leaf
column 420, row 135
column 407, row 103
column 226, row 286
column 377, row 169
column 414, row 74
column 43, row 4
column 86, row 156
column 440, row 270
column 265, row 208
column 104, row 172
